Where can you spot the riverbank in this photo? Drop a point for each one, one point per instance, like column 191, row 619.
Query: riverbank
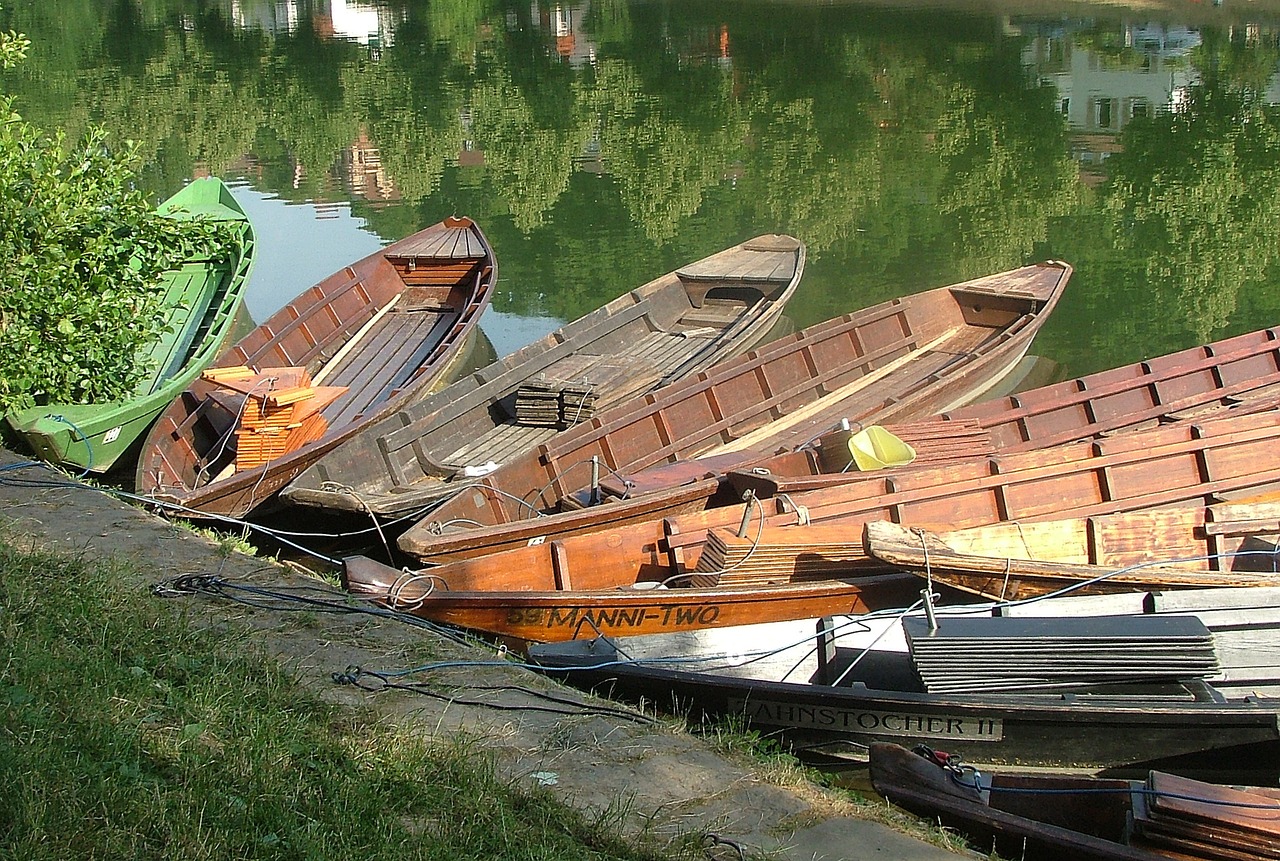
column 654, row 779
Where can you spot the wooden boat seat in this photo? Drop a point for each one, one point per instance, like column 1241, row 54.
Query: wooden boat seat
column 716, row 313
column 431, row 271
column 776, row 266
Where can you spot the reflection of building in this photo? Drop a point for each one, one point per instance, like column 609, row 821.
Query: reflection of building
column 564, row 24
column 354, row 20
column 364, row 174
column 280, row 16
column 1143, row 71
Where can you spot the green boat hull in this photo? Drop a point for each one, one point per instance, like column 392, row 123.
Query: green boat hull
column 202, row 299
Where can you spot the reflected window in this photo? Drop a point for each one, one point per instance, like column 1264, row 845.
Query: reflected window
column 1104, row 113
column 1065, row 107
column 1140, row 108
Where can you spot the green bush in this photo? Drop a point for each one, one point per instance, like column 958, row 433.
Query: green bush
column 81, row 252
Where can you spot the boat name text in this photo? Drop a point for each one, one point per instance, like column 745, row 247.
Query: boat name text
column 615, row 618
column 871, row 721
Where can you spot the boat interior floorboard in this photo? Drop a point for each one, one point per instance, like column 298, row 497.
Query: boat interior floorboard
column 497, row 444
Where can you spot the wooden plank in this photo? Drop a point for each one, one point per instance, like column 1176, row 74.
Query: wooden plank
column 336, row 361
column 828, row 401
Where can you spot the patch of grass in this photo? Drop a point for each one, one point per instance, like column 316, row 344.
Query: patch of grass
column 126, row 732
column 734, row 737
column 227, row 542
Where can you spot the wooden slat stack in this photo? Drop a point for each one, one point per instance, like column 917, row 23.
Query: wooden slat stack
column 776, row 555
column 281, row 412
column 574, row 389
column 538, row 404
column 1190, row 819
column 973, row 654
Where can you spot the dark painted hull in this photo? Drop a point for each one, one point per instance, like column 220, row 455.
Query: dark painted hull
column 1182, row 729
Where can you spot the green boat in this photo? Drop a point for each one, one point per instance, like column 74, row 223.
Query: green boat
column 202, row 297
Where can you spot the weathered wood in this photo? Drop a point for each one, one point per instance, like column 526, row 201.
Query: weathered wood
column 827, row 402
column 1016, row 578
column 737, row 397
column 336, row 362
column 627, row 347
column 381, row 355
column 1153, row 470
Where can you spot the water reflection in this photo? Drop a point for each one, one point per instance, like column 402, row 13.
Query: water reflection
column 603, row 143
column 363, row 23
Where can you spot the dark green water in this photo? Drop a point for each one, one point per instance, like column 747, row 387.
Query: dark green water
column 600, row 144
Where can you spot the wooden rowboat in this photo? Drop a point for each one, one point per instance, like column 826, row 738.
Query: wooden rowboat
column 530, row 611
column 898, row 360
column 1223, row 545
column 343, row 354
column 200, row 302
column 1238, row 374
column 672, row 327
column 774, row 540
column 835, row 690
column 1072, row 818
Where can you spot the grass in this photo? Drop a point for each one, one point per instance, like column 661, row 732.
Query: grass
column 775, row 762
column 227, row 542
column 128, row 732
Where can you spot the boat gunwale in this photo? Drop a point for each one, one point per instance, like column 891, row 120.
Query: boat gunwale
column 418, row 421
column 227, row 497
column 596, row 432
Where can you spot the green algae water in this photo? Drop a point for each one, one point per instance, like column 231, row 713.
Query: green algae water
column 602, row 143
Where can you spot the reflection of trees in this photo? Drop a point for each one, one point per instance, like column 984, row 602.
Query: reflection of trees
column 178, row 101
column 1197, row 194
column 908, row 151
column 665, row 153
column 529, row 157
column 1005, row 177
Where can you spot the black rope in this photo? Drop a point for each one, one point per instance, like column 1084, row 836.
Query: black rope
column 710, row 841
column 355, row 676
column 292, row 599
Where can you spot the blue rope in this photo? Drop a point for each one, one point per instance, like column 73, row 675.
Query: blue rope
column 85, row 439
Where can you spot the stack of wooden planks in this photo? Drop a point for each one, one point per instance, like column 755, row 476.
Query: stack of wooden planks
column 538, row 404
column 279, row 410
column 974, row 654
column 772, row 555
column 577, row 387
column 1190, row 819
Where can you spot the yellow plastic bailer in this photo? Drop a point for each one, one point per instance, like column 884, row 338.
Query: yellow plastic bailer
column 874, row 447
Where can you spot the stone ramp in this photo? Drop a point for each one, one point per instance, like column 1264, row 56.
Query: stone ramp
column 667, row 782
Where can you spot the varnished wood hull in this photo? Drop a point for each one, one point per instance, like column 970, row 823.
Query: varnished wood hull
column 1195, row 383
column 899, row 360
column 665, row 330
column 557, row 614
column 1078, row 818
column 1176, row 466
column 387, row 328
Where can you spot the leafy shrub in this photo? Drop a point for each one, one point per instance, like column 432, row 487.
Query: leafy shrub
column 81, row 252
